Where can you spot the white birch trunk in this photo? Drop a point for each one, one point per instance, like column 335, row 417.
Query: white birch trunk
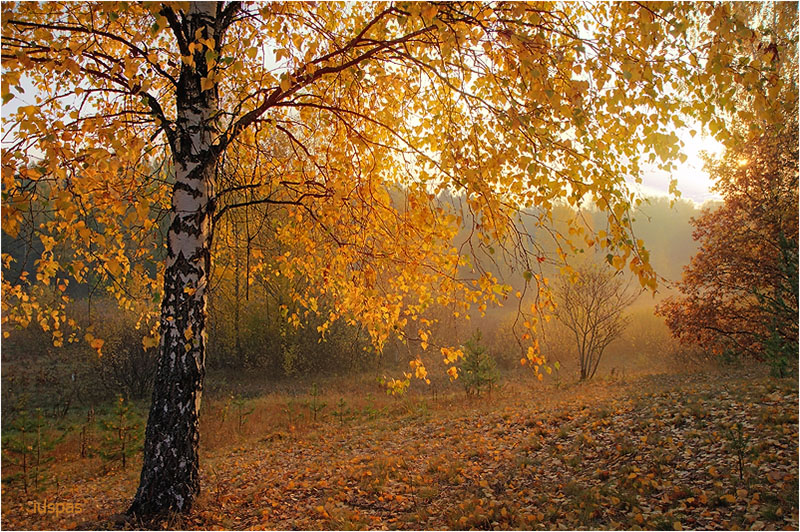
column 169, row 479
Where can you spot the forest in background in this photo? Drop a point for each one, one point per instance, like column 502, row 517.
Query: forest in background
column 250, row 339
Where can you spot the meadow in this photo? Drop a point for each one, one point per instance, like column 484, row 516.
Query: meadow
column 710, row 449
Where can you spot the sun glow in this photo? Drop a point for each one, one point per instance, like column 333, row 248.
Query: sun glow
column 694, row 183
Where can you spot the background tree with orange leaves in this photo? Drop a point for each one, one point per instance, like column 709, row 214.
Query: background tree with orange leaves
column 739, row 293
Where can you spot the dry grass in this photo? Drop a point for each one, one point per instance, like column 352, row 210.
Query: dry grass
column 437, row 453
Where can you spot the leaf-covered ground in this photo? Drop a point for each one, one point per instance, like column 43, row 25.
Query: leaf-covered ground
column 659, row 452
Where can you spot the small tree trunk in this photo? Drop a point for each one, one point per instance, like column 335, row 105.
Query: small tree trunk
column 38, row 453
column 169, row 479
column 83, row 441
column 582, row 355
column 583, row 362
column 24, row 464
column 236, row 311
column 596, row 359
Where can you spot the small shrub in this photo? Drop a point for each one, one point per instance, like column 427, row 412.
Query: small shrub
column 315, row 405
column 730, row 357
column 127, row 365
column 293, row 414
column 27, row 448
column 242, row 411
column 479, row 370
column 86, row 434
column 370, row 410
column 17, row 450
column 779, row 354
column 342, row 410
column 121, row 433
column 738, row 443
column 44, row 442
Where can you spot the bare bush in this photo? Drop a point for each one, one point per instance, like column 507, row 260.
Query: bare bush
column 592, row 307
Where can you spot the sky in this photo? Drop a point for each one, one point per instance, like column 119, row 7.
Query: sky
column 693, row 182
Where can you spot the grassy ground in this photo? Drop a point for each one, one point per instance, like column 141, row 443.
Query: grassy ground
column 704, row 451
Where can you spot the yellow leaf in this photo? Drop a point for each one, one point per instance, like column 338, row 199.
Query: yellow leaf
column 451, row 355
column 29, row 110
column 114, row 267
column 207, row 83
column 531, row 354
column 149, row 342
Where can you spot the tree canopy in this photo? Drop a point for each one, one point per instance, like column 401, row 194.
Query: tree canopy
column 508, row 105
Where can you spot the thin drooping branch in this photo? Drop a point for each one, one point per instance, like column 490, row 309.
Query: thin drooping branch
column 135, row 50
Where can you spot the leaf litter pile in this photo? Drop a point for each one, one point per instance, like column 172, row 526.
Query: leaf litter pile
column 704, row 451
